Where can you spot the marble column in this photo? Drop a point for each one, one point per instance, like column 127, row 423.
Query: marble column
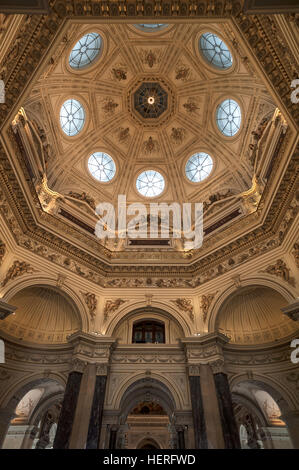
column 66, row 418
column 96, row 415
column 229, row 425
column 83, row 408
column 5, row 418
column 200, row 434
column 292, row 421
column 181, row 437
column 83, row 402
column 214, row 425
column 112, row 438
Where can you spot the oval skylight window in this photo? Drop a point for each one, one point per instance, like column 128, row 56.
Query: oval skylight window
column 215, row 51
column 198, row 167
column 150, row 27
column 85, row 51
column 101, row 166
column 72, row 117
column 228, row 117
column 150, row 183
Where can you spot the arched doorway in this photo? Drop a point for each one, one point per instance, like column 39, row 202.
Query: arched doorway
column 148, row 444
column 147, row 416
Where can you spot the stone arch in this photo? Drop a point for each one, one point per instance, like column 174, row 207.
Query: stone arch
column 19, row 390
column 41, row 281
column 279, row 394
column 148, row 441
column 156, row 307
column 288, row 293
column 139, row 387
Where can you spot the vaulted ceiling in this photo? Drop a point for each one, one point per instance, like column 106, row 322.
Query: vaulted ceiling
column 250, row 170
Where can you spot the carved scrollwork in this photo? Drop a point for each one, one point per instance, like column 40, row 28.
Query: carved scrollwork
column 17, row 269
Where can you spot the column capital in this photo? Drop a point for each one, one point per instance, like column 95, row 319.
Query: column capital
column 6, row 309
column 204, row 349
column 90, row 349
column 292, row 310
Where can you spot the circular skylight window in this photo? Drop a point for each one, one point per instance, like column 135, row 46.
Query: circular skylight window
column 215, row 51
column 85, row 51
column 72, row 117
column 198, row 167
column 101, row 166
column 150, row 27
column 150, row 183
column 228, row 117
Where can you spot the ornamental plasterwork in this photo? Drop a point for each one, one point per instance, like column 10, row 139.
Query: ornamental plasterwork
column 2, row 251
column 281, row 270
column 295, row 253
column 253, row 28
column 206, row 301
column 17, row 269
column 185, row 305
column 111, row 306
column 91, row 302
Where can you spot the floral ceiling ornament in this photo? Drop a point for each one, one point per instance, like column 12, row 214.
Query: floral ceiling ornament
column 150, row 58
column 2, row 251
column 109, row 106
column 123, row 135
column 91, row 302
column 112, row 306
column 150, row 146
column 177, row 135
column 185, row 305
column 206, row 301
column 281, row 270
column 119, row 73
column 182, row 72
column 191, row 106
column 17, row 269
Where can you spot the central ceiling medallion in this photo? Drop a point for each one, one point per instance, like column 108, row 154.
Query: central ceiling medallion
column 150, row 100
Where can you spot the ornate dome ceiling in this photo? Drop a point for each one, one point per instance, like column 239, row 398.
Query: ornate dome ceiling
column 43, row 316
column 253, row 316
column 151, row 98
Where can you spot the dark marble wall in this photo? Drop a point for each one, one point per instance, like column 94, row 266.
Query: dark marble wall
column 200, row 434
column 68, row 409
column 229, row 426
column 96, row 415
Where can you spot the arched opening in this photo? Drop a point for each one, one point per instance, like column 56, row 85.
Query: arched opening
column 148, row 444
column 147, row 411
column 31, row 413
column 258, row 411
